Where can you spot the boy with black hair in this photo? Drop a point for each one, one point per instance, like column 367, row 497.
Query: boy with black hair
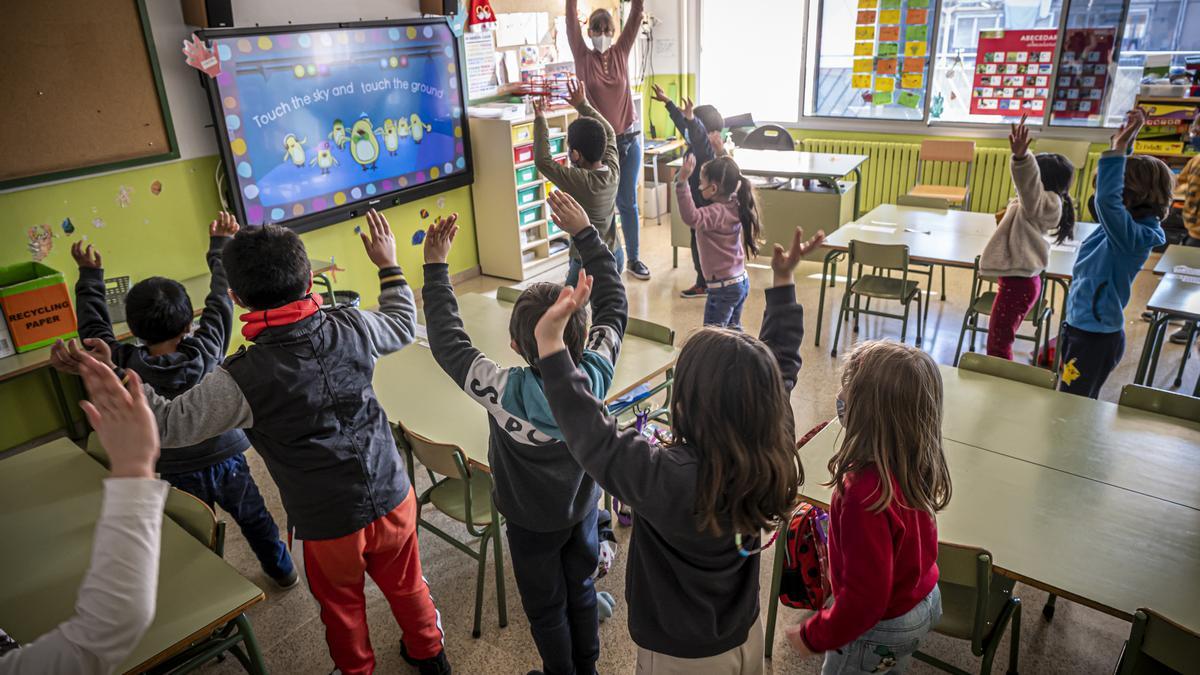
column 595, row 174
column 701, row 127
column 547, row 499
column 172, row 361
column 302, row 391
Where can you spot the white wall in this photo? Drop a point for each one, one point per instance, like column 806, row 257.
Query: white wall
column 185, row 95
column 671, row 43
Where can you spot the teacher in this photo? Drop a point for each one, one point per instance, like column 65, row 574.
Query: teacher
column 604, row 69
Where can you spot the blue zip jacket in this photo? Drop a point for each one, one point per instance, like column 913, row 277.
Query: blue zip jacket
column 1112, row 256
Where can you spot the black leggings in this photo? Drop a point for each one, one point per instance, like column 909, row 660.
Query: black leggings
column 1088, row 359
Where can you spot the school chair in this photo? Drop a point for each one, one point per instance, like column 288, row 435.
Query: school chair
column 983, row 295
column 1158, row 645
column 508, row 293
column 952, row 154
column 977, row 605
column 464, row 495
column 882, row 257
column 927, row 203
column 1009, row 370
column 769, row 137
column 1161, row 401
column 1075, row 151
column 197, row 519
column 96, row 451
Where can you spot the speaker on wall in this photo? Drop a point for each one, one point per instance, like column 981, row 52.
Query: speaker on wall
column 208, row 13
column 446, row 7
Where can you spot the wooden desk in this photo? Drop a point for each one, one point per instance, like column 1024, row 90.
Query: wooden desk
column 414, row 390
column 1100, row 507
column 49, row 503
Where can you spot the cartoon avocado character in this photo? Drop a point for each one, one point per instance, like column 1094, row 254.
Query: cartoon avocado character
column 419, row 128
column 363, row 146
column 338, row 135
column 402, row 128
column 293, row 149
column 391, row 140
column 324, row 159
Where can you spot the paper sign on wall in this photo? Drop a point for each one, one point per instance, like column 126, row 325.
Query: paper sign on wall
column 918, row 33
column 884, row 84
column 864, row 48
column 917, row 16
column 914, row 49
column 889, row 33
column 914, row 65
column 864, row 33
column 918, row 4
column 886, row 67
column 913, row 81
column 889, row 49
column 889, row 16
column 1007, row 69
column 867, row 4
column 909, row 100
column 866, row 18
column 881, row 97
column 1083, row 72
column 860, row 81
column 891, row 4
column 862, row 65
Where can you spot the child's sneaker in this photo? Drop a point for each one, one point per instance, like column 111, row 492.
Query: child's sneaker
column 638, row 269
column 434, row 665
column 287, row 581
column 693, row 292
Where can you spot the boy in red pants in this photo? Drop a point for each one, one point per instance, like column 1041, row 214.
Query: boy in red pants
column 303, row 394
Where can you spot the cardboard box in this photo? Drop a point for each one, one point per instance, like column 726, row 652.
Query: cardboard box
column 650, row 207
column 36, row 305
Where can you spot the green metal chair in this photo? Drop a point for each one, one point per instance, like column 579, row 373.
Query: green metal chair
column 464, row 495
column 1161, row 401
column 197, row 519
column 1009, row 370
column 882, row 257
column 939, row 203
column 983, row 295
column 96, row 451
column 1157, row 646
column 508, row 293
column 654, row 332
column 977, row 605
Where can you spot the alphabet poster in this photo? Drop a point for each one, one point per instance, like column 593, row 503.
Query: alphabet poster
column 1083, row 72
column 1012, row 71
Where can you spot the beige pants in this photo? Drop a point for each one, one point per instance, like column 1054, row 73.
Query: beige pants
column 746, row 659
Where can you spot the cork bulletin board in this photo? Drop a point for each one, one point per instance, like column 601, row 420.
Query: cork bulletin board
column 82, row 90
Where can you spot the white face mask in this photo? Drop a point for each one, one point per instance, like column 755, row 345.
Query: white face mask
column 602, row 42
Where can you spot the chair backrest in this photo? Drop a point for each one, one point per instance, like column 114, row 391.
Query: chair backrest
column 193, row 516
column 1161, row 401
column 1076, row 151
column 769, row 137
column 648, row 330
column 884, row 256
column 965, row 579
column 937, row 150
column 923, row 202
column 1156, row 641
column 1009, row 370
column 97, row 451
column 440, row 458
column 508, row 293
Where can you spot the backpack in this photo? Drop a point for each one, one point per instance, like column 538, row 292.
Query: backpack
column 804, row 583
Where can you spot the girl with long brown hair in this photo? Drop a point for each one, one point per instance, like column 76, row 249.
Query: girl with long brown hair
column 889, row 480
column 699, row 504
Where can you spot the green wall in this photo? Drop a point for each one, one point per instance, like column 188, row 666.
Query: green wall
column 167, row 234
column 675, row 86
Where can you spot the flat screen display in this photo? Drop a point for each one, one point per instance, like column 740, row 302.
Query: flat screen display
column 319, row 123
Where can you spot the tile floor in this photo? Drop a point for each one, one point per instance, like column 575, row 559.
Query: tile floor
column 1079, row 640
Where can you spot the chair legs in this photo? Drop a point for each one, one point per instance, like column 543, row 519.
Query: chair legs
column 501, row 599
column 1048, row 609
column 1187, row 351
column 962, row 333
column 479, row 578
column 773, row 597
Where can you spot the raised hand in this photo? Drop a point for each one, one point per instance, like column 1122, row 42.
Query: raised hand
column 660, row 95
column 224, row 225
column 1018, row 139
column 86, row 256
column 539, row 106
column 783, row 263
column 1134, row 120
column 689, row 165
column 549, row 328
column 121, row 418
column 381, row 244
column 567, row 213
column 688, row 108
column 69, row 356
column 576, row 92
column 439, row 238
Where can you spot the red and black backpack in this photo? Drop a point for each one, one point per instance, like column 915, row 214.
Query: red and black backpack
column 804, row 583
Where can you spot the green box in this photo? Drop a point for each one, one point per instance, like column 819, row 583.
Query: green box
column 527, row 175
column 529, row 195
column 556, row 144
column 531, row 215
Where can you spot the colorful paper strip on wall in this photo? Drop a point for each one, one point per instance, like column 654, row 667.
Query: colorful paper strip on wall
column 896, row 34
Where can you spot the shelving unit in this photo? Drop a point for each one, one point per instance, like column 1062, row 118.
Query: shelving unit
column 1175, row 160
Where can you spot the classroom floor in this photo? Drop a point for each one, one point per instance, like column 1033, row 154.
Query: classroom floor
column 1078, row 640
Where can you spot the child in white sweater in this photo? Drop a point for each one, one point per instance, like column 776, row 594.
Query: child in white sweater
column 1018, row 250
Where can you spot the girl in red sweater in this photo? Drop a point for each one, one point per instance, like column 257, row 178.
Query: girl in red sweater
column 891, row 478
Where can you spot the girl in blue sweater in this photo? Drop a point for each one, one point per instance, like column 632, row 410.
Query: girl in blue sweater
column 1133, row 194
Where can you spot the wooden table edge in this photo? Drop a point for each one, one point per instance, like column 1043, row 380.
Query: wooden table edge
column 183, row 644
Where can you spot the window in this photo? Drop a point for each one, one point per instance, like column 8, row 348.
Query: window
column 763, row 78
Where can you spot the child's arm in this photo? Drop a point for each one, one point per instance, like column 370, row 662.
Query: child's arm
column 632, row 26
column 577, row 96
column 91, row 309
column 216, row 321
column 610, row 308
column 1039, row 206
column 692, row 128
column 698, row 218
column 1190, row 184
column 395, row 324
column 544, row 161
column 783, row 319
column 1122, row 230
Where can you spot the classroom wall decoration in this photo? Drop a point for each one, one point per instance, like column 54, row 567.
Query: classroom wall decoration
column 890, row 52
column 1012, row 71
column 1083, row 72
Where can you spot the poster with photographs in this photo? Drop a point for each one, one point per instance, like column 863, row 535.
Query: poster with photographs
column 1083, row 73
column 1012, row 72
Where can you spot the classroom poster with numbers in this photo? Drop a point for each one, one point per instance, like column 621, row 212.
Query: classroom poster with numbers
column 1012, row 71
column 1084, row 71
column 891, row 47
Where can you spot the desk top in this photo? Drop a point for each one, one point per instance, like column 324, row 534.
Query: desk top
column 414, row 390
column 1178, row 255
column 1178, row 295
column 197, row 289
column 49, row 503
column 1109, row 548
column 793, row 164
column 664, row 147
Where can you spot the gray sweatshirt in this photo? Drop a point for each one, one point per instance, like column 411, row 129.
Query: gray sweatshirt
column 1018, row 247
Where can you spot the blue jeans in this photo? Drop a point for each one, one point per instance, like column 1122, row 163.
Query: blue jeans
column 723, row 306
column 554, row 577
column 575, row 265
column 230, row 485
column 629, row 152
column 889, row 645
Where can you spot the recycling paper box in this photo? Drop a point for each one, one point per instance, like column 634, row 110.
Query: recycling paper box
column 36, row 304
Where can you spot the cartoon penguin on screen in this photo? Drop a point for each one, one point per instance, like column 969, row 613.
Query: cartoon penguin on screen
column 293, row 149
column 324, row 159
column 391, row 139
column 364, row 148
column 338, row 135
column 419, row 128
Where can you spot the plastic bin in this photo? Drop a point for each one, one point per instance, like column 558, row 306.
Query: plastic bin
column 527, row 175
column 529, row 195
column 522, row 154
